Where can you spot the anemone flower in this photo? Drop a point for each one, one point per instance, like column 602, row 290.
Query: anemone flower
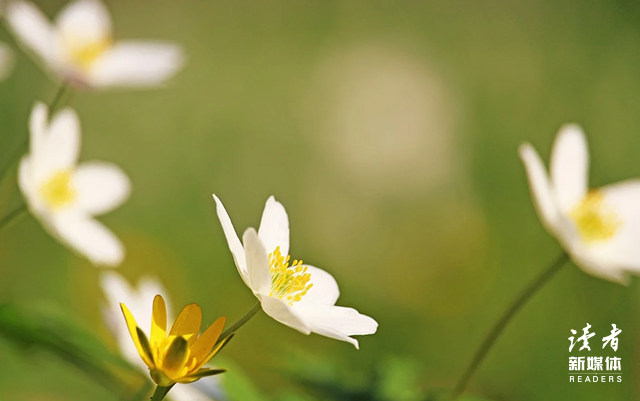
column 79, row 49
column 598, row 228
column 295, row 294
column 66, row 196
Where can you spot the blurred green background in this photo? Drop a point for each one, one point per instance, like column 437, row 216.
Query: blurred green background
column 389, row 130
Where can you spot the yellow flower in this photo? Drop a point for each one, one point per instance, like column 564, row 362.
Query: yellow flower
column 180, row 356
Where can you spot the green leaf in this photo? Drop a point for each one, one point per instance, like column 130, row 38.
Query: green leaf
column 206, row 373
column 58, row 335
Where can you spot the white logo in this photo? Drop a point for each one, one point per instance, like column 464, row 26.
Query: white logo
column 597, row 368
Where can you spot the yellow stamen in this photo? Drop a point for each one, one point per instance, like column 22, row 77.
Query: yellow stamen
column 594, row 219
column 289, row 283
column 85, row 54
column 57, row 191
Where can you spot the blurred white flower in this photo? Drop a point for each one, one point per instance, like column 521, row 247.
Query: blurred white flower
column 79, row 48
column 386, row 117
column 65, row 196
column 300, row 296
column 6, row 61
column 599, row 228
column 139, row 301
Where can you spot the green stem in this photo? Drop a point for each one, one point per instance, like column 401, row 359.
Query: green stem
column 13, row 215
column 506, row 317
column 57, row 99
column 160, row 393
column 244, row 319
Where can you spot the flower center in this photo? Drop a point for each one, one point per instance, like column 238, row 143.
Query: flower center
column 289, row 283
column 57, row 191
column 84, row 54
column 594, row 219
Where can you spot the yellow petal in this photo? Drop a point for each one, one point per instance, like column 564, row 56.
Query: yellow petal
column 133, row 331
column 144, row 344
column 187, row 324
column 158, row 322
column 214, row 351
column 176, row 357
column 203, row 345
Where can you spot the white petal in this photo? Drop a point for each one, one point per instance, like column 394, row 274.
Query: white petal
column 101, row 187
column 139, row 301
column 84, row 22
column 283, row 313
column 621, row 253
column 274, row 227
column 38, row 129
column 211, row 387
column 188, row 392
column 257, row 262
column 89, row 238
column 25, row 181
column 541, row 191
column 232, row 239
column 63, row 141
column 28, row 187
column 33, row 30
column 593, row 264
column 7, row 60
column 116, row 290
column 570, row 167
column 53, row 147
column 624, row 198
column 136, row 63
column 337, row 322
column 148, row 288
column 24, row 174
column 35, row 161
column 325, row 289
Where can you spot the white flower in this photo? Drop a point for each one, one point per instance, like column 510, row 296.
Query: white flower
column 599, row 228
column 79, row 48
column 139, row 301
column 300, row 296
column 6, row 61
column 65, row 196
